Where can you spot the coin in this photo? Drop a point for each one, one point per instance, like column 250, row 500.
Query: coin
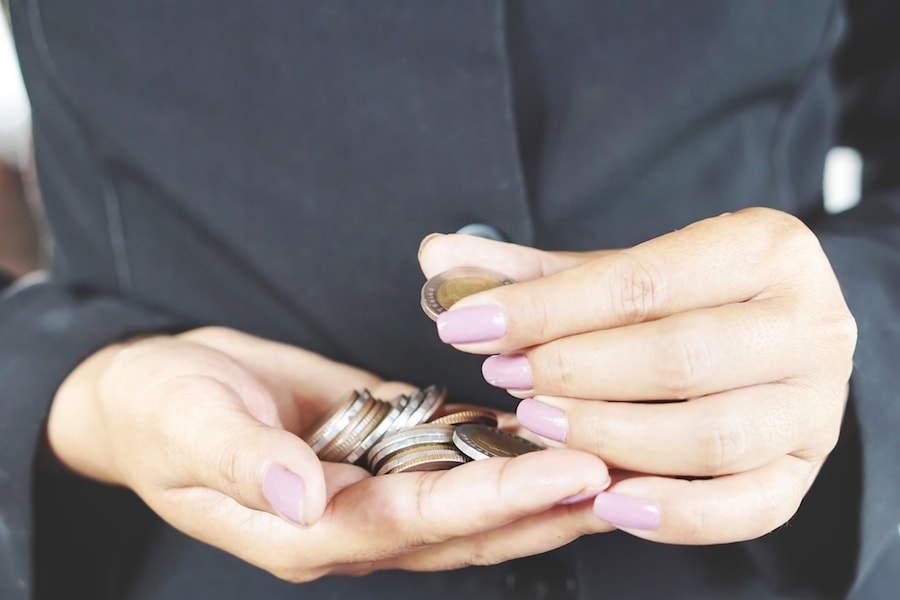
column 427, row 434
column 367, row 419
column 467, row 414
column 411, row 403
column 358, row 455
column 446, row 289
column 430, row 457
column 481, row 441
column 324, row 432
column 432, row 401
column 427, row 461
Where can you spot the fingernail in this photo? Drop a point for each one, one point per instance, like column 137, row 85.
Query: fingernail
column 507, row 371
column 543, row 419
column 427, row 239
column 576, row 498
column 470, row 325
column 626, row 511
column 284, row 491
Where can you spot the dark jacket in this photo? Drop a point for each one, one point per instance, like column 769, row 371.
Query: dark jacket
column 271, row 166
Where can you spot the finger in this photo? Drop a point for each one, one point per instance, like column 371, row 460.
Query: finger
column 726, row 509
column 727, row 259
column 718, row 434
column 217, row 444
column 411, row 510
column 685, row 355
column 382, row 517
column 531, row 535
column 304, row 384
column 442, row 252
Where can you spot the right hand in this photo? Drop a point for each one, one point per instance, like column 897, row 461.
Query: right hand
column 203, row 427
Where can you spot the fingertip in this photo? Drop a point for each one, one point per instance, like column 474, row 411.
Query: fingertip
column 571, row 472
column 627, row 512
column 425, row 241
column 285, row 492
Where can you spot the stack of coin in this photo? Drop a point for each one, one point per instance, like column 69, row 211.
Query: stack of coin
column 413, row 432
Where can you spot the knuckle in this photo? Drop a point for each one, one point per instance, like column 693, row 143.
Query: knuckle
column 686, row 361
column 724, row 443
column 233, row 469
column 693, row 525
column 539, row 325
column 843, row 332
column 415, row 537
column 555, row 372
column 635, row 290
column 482, row 554
column 773, row 509
column 506, row 492
column 596, row 431
column 791, row 234
column 228, row 469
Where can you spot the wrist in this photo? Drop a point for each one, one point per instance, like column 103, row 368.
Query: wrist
column 77, row 437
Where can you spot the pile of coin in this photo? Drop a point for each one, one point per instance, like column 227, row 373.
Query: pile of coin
column 412, row 432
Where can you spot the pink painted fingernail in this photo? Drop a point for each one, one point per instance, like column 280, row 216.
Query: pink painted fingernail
column 576, row 498
column 470, row 325
column 284, row 491
column 626, row 511
column 507, row 371
column 543, row 419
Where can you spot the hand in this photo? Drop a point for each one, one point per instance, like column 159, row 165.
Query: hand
column 739, row 315
column 202, row 427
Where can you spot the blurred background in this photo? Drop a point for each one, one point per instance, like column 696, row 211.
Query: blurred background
column 19, row 248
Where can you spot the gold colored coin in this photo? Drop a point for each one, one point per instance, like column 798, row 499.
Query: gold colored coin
column 480, row 441
column 446, row 289
column 455, row 290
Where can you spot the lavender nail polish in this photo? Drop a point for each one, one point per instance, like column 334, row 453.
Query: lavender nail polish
column 473, row 324
column 626, row 511
column 543, row 419
column 508, row 371
column 284, row 491
column 576, row 498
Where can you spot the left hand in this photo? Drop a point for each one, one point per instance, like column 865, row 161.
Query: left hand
column 737, row 320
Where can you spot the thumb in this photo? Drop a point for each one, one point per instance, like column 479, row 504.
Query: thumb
column 442, row 252
column 263, row 468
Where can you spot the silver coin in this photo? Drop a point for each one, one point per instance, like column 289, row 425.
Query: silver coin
column 359, row 428
column 428, row 461
column 408, row 438
column 431, row 403
column 342, row 443
column 405, row 419
column 324, row 432
column 445, row 289
column 482, row 441
column 374, row 436
column 429, row 457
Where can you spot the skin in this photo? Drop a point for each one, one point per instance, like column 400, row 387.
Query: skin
column 738, row 319
column 192, row 423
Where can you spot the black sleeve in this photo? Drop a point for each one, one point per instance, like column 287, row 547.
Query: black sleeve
column 845, row 534
column 45, row 331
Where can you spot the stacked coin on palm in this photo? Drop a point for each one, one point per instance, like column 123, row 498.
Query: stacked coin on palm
column 413, row 432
